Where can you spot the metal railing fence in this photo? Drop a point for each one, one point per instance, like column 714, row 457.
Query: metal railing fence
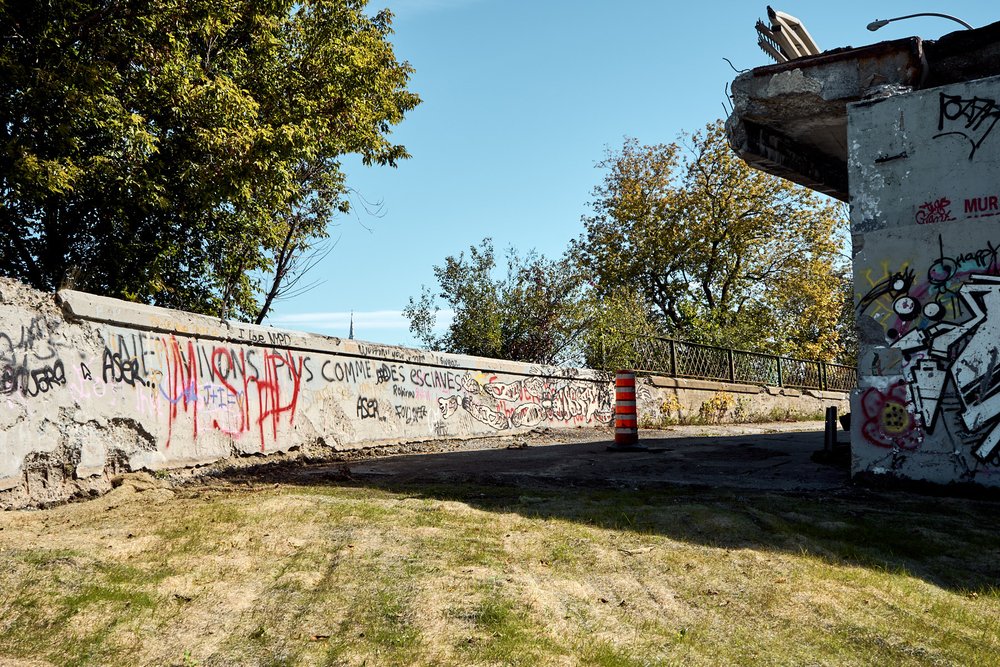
column 677, row 358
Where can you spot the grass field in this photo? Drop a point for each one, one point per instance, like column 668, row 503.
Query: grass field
column 335, row 572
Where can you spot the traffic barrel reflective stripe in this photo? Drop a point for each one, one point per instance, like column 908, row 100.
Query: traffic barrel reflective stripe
column 626, row 423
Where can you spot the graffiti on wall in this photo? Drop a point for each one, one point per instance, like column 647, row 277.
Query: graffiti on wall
column 938, row 210
column 902, row 300
column 239, row 390
column 985, row 205
column 185, row 388
column 30, row 361
column 970, row 118
column 887, row 418
column 529, row 402
column 945, row 327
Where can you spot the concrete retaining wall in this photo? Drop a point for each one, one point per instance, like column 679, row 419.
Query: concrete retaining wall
column 98, row 386
column 925, row 217
column 665, row 400
column 113, row 386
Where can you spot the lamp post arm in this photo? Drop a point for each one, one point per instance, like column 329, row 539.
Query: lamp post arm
column 875, row 25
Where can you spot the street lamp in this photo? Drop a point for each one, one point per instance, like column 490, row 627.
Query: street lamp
column 875, row 25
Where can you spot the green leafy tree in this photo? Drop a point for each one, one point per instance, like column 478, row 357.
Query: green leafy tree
column 186, row 153
column 723, row 253
column 535, row 312
column 615, row 321
column 846, row 323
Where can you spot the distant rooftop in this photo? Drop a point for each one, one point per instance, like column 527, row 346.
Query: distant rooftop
column 790, row 119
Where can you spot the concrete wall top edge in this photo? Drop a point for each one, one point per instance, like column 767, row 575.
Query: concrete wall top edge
column 100, row 387
column 117, row 312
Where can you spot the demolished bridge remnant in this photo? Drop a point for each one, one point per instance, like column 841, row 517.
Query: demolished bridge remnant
column 905, row 131
column 790, row 119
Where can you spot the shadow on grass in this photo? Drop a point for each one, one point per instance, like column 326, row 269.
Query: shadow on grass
column 756, row 491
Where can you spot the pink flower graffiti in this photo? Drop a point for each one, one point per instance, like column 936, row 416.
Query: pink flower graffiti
column 888, row 421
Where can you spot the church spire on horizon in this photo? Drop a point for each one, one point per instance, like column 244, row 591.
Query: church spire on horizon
column 350, row 335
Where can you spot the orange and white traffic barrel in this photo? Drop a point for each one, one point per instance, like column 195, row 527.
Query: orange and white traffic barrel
column 626, row 424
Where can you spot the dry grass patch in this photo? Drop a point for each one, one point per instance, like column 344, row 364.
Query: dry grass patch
column 433, row 575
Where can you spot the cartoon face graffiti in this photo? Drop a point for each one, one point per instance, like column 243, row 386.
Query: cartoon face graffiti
column 942, row 358
column 448, row 406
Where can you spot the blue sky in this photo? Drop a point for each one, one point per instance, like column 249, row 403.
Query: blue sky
column 520, row 100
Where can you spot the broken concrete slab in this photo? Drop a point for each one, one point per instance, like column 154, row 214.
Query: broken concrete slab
column 790, row 119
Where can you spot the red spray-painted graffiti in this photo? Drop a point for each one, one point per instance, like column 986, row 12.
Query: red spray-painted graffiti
column 930, row 212
column 230, row 376
column 181, row 379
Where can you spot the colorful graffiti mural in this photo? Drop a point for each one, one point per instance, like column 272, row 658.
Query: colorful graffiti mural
column 945, row 329
column 527, row 403
column 256, row 392
column 888, row 421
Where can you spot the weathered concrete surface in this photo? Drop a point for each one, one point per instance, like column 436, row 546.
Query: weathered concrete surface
column 667, row 400
column 119, row 387
column 790, row 119
column 771, row 457
column 925, row 217
column 101, row 386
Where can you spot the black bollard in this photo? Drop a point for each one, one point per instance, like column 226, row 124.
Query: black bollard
column 830, row 434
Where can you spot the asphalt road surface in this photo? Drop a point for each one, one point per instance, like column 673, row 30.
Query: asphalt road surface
column 766, row 457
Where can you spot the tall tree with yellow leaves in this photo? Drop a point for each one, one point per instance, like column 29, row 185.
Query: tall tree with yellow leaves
column 723, row 253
